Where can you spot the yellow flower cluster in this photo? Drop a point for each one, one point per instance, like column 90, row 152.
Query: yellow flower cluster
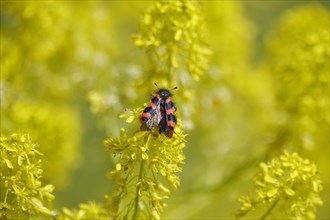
column 33, row 85
column 142, row 161
column 299, row 64
column 90, row 210
column 288, row 181
column 22, row 192
column 48, row 123
column 172, row 34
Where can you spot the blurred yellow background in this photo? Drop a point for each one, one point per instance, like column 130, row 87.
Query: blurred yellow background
column 69, row 69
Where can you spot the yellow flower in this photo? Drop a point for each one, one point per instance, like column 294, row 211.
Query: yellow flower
column 292, row 181
column 171, row 31
column 90, row 210
column 299, row 65
column 142, row 159
column 22, row 193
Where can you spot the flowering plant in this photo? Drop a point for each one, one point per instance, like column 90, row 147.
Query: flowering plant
column 143, row 160
column 289, row 181
column 22, row 192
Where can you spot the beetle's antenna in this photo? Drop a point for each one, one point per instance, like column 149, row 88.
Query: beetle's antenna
column 156, row 85
column 174, row 88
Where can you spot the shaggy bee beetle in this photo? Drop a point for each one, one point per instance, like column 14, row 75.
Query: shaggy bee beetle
column 160, row 113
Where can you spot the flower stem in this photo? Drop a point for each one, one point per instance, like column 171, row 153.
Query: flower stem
column 270, row 209
column 137, row 194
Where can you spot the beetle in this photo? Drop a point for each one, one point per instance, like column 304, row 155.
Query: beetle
column 160, row 112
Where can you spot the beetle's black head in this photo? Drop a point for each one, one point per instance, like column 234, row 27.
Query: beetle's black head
column 164, row 93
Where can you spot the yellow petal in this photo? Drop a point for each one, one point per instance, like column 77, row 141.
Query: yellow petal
column 118, row 166
column 178, row 35
column 19, row 160
column 289, row 191
column 9, row 164
column 130, row 119
column 270, row 179
column 272, row 192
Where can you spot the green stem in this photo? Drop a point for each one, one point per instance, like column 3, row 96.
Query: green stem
column 270, row 209
column 137, row 195
column 141, row 173
column 7, row 191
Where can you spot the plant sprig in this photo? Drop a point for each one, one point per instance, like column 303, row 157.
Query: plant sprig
column 143, row 162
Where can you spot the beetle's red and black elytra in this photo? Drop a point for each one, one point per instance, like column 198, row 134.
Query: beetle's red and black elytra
column 160, row 113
